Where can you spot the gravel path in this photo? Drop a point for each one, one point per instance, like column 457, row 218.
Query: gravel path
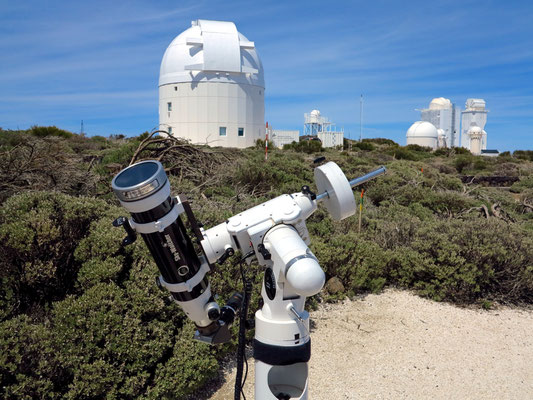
column 399, row 346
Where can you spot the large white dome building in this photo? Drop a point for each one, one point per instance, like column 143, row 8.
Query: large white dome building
column 423, row 133
column 212, row 87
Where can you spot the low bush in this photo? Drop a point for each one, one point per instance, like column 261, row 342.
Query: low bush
column 81, row 315
column 387, row 142
column 305, row 146
column 463, row 162
column 523, row 154
column 44, row 131
column 366, row 146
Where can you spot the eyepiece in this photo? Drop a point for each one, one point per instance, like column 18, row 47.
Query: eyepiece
column 139, row 181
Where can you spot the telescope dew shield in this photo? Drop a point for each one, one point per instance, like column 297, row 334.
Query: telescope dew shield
column 144, row 190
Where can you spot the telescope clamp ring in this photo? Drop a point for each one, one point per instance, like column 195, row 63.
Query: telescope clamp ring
column 190, row 284
column 161, row 224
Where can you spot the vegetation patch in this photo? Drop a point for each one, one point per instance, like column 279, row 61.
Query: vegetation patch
column 81, row 316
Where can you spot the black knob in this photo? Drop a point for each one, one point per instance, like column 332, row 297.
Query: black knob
column 228, row 253
column 264, row 252
column 213, row 314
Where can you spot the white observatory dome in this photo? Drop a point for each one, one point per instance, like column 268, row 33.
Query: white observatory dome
column 440, row 103
column 423, row 133
column 475, row 129
column 211, row 86
column 314, row 117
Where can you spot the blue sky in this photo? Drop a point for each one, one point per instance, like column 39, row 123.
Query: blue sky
column 64, row 61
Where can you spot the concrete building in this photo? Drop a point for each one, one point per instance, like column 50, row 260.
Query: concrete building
column 475, row 114
column 444, row 115
column 317, row 125
column 331, row 138
column 211, row 87
column 423, row 133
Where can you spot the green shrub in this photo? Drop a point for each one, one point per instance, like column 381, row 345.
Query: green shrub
column 305, row 146
column 421, row 149
column 44, row 131
column 463, row 162
column 461, row 150
column 38, row 235
column 280, row 174
column 388, row 142
column 366, row 146
column 10, row 139
column 95, row 324
column 523, row 154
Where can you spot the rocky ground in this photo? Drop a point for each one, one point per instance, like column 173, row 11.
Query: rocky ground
column 396, row 345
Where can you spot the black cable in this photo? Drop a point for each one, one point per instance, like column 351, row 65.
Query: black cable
column 241, row 356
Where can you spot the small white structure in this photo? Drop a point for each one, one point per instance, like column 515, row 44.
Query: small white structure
column 317, row 125
column 211, row 87
column 475, row 133
column 423, row 133
column 282, row 137
column 441, row 135
column 446, row 116
column 475, row 114
column 331, row 138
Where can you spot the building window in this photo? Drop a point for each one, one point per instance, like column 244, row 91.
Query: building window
column 175, row 88
column 241, row 132
column 169, row 106
column 222, row 131
column 170, row 130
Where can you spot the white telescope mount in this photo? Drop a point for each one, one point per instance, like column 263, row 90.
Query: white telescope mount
column 276, row 233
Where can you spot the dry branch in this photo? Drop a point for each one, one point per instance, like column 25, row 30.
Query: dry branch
column 179, row 157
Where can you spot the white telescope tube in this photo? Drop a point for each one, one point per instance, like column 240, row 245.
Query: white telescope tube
column 302, row 270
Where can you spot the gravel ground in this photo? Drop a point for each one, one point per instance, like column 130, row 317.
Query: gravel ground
column 399, row 346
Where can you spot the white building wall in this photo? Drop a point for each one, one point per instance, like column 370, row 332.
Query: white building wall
column 282, row 137
column 331, row 139
column 456, row 119
column 475, row 114
column 473, row 118
column 200, row 109
column 423, row 141
column 446, row 119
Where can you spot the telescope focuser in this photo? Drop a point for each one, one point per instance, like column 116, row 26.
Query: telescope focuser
column 222, row 333
column 131, row 235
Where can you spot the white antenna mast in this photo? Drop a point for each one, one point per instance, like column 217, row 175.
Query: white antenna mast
column 361, row 119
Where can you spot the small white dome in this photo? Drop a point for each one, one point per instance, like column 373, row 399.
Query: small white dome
column 440, row 103
column 315, row 113
column 211, row 51
column 441, row 132
column 475, row 129
column 422, row 129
